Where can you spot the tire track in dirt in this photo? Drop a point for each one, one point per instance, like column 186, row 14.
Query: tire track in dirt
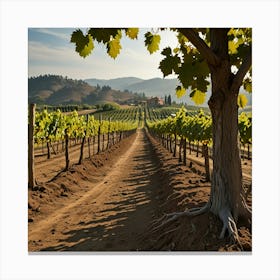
column 111, row 215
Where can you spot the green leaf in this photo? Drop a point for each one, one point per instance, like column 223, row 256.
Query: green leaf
column 180, row 91
column 182, row 39
column 170, row 63
column 114, row 47
column 186, row 74
column 166, row 51
column 84, row 43
column 152, row 42
column 233, row 46
column 242, row 100
column 88, row 48
column 198, row 96
column 132, row 33
column 103, row 34
column 247, row 84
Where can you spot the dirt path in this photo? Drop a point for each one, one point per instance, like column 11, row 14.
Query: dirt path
column 111, row 214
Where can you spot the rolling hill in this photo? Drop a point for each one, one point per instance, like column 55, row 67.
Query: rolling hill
column 153, row 87
column 58, row 90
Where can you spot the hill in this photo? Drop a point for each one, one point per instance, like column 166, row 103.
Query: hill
column 58, row 90
column 153, row 87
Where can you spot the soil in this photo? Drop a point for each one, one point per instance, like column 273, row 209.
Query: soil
column 113, row 200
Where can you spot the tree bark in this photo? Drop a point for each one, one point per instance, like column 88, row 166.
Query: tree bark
column 227, row 195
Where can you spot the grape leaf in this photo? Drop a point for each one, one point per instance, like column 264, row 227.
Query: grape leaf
column 166, row 51
column 233, row 46
column 242, row 100
column 103, row 34
column 84, row 44
column 152, row 42
column 132, row 33
column 169, row 63
column 88, row 48
column 180, row 91
column 247, row 84
column 186, row 74
column 114, row 47
column 198, row 96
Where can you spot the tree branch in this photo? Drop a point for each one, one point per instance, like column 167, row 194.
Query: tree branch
column 244, row 68
column 202, row 47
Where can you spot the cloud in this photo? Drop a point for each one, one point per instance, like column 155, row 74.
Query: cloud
column 134, row 59
column 64, row 35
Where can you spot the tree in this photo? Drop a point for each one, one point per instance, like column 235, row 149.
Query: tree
column 169, row 100
column 220, row 57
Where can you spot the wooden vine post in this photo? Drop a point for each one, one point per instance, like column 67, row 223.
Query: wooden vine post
column 83, row 143
column 66, row 150
column 99, row 130
column 88, row 138
column 108, row 136
column 31, row 169
column 185, row 151
column 206, row 158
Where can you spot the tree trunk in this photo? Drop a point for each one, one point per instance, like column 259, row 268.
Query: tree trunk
column 227, row 195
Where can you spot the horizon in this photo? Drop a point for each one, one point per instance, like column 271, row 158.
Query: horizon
column 64, row 76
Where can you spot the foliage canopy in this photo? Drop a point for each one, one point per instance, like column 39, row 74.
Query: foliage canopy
column 190, row 61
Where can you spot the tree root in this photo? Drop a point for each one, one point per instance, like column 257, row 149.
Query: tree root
column 168, row 218
column 229, row 225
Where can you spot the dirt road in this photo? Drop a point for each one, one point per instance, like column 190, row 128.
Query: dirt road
column 109, row 201
column 111, row 214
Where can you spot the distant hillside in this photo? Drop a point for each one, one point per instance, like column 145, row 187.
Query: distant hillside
column 118, row 83
column 58, row 90
column 152, row 87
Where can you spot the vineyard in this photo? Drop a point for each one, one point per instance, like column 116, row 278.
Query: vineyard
column 146, row 145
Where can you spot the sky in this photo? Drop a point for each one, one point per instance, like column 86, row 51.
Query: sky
column 50, row 52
